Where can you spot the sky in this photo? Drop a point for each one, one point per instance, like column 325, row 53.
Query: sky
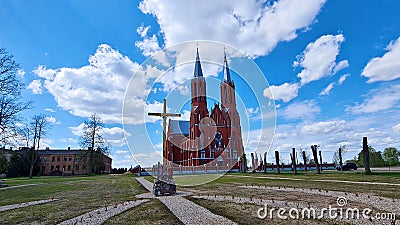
column 328, row 71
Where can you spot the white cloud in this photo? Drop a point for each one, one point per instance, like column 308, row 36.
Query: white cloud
column 376, row 101
column 21, row 72
column 53, row 120
column 258, row 26
column 185, row 116
column 343, row 78
column 148, row 46
column 324, row 127
column 384, row 68
column 50, row 110
column 78, row 130
column 43, row 72
column 319, row 58
column 142, row 31
column 121, row 152
column 99, row 87
column 284, row 92
column 341, row 65
column 305, row 110
column 114, row 135
column 327, row 90
column 396, row 128
column 35, row 86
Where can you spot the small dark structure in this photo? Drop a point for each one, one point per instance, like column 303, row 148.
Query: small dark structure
column 162, row 187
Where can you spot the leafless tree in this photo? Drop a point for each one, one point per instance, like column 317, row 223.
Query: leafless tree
column 10, row 97
column 40, row 127
column 93, row 140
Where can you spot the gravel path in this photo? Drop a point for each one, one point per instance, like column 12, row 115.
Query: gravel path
column 98, row 216
column 333, row 181
column 25, row 204
column 382, row 203
column 17, row 186
column 186, row 211
column 276, row 204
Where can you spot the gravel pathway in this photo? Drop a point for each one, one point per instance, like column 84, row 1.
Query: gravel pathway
column 187, row 211
column 17, row 186
column 276, row 204
column 382, row 203
column 333, row 181
column 25, row 204
column 98, row 216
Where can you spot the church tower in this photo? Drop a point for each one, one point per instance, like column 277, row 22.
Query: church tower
column 234, row 148
column 228, row 99
column 199, row 101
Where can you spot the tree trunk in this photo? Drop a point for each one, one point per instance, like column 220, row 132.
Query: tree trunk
column 31, row 171
column 366, row 156
column 320, row 160
column 277, row 162
column 314, row 151
column 340, row 158
column 294, row 160
column 265, row 162
column 305, row 160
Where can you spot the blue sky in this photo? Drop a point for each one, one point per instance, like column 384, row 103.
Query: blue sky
column 333, row 67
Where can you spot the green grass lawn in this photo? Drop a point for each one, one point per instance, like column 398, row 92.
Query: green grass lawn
column 78, row 195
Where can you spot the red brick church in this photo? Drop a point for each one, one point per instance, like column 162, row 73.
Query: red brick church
column 212, row 137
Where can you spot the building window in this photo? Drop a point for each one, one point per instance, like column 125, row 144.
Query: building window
column 52, row 168
column 45, row 159
column 83, row 167
column 77, row 167
column 212, row 154
column 57, row 168
column 203, row 154
column 65, row 158
column 70, row 158
column 69, row 168
column 54, row 159
column 63, row 168
column 202, row 139
column 58, row 159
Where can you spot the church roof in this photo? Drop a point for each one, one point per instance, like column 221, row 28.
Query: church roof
column 227, row 74
column 180, row 127
column 198, row 72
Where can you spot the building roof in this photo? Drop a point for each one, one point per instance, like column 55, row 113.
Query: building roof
column 198, row 72
column 227, row 74
column 180, row 127
column 60, row 151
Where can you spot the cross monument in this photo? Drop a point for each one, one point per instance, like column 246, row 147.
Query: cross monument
column 164, row 116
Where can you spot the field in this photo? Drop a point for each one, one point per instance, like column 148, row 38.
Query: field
column 78, row 195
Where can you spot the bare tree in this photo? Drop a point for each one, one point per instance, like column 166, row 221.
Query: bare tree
column 10, row 97
column 40, row 127
column 93, row 140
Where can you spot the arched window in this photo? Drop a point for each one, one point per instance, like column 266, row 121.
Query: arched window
column 201, row 139
column 225, row 94
column 233, row 140
column 218, row 140
column 233, row 146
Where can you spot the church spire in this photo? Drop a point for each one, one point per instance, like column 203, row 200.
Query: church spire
column 227, row 74
column 198, row 72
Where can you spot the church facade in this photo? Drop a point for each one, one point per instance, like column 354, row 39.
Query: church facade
column 212, row 137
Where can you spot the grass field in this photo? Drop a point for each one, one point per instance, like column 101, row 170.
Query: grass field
column 78, row 195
